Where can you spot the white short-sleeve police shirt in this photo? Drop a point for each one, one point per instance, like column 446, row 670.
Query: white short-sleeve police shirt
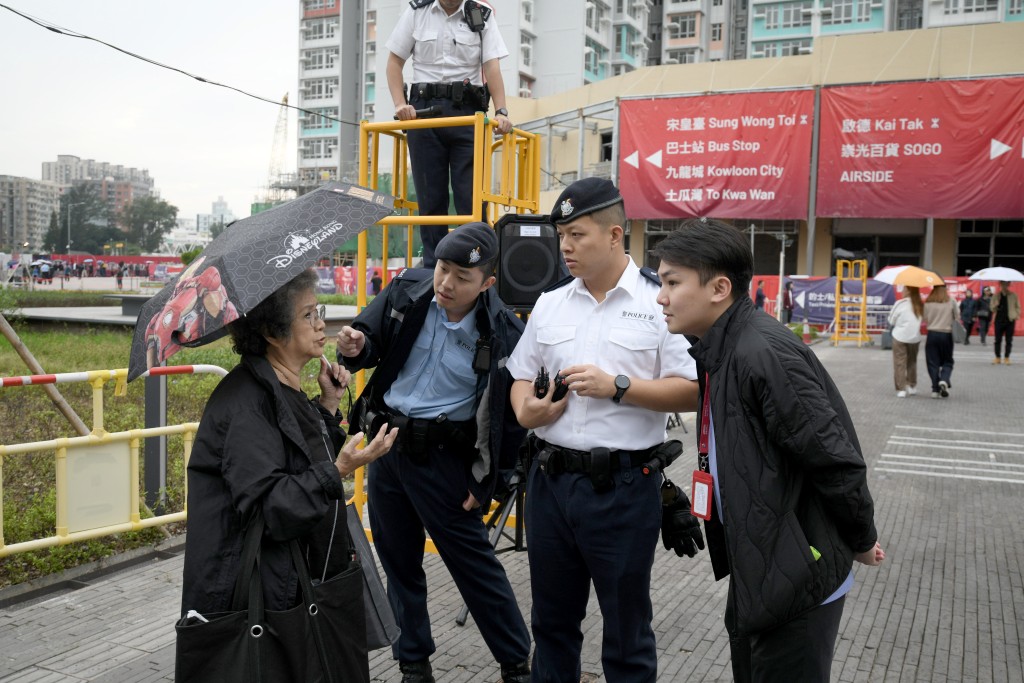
column 442, row 47
column 623, row 335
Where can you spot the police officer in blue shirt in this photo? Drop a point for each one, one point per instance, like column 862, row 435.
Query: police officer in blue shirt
column 593, row 510
column 439, row 347
column 454, row 46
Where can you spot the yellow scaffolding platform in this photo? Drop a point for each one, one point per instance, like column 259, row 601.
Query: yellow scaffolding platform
column 850, row 323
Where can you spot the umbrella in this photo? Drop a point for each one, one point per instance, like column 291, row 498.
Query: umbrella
column 246, row 263
column 39, row 262
column 909, row 276
column 998, row 274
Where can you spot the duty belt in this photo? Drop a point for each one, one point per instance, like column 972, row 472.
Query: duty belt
column 554, row 459
column 416, row 434
column 457, row 92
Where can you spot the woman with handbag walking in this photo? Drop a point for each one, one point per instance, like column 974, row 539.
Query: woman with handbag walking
column 905, row 319
column 940, row 314
column 270, row 590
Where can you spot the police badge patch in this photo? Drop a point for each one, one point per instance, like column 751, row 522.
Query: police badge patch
column 474, row 255
column 566, row 208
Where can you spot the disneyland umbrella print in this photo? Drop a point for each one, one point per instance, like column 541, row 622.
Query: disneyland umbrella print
column 245, row 264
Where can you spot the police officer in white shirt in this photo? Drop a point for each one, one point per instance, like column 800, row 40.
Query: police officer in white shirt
column 592, row 514
column 452, row 43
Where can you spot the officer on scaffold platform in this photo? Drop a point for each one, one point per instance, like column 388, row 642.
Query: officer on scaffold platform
column 593, row 506
column 452, row 44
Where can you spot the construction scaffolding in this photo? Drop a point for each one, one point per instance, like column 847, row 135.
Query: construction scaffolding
column 850, row 323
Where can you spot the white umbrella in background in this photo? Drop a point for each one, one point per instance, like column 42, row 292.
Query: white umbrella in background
column 998, row 274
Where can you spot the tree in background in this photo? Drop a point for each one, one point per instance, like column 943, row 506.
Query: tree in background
column 146, row 220
column 90, row 222
column 216, row 229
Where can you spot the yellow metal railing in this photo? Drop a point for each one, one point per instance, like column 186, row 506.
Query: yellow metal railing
column 97, row 475
column 850, row 322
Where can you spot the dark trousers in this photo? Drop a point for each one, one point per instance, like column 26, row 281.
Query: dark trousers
column 575, row 536
column 1004, row 330
column 938, row 354
column 982, row 329
column 968, row 328
column 405, row 497
column 799, row 650
column 440, row 156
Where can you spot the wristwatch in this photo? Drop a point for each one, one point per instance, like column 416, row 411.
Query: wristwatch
column 621, row 384
column 501, row 112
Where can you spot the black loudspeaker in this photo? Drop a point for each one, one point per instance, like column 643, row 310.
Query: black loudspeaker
column 529, row 260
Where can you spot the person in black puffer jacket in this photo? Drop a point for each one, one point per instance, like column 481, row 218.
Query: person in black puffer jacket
column 788, row 507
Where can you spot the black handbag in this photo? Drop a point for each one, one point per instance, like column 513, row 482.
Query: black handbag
column 322, row 639
column 381, row 628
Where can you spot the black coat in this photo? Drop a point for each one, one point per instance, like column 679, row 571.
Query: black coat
column 790, row 470
column 250, row 451
column 391, row 324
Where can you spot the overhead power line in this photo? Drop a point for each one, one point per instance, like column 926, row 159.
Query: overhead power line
column 70, row 33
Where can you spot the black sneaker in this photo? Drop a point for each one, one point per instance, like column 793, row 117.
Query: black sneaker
column 515, row 673
column 416, row 672
column 944, row 389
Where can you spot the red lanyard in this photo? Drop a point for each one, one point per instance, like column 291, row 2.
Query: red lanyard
column 704, row 440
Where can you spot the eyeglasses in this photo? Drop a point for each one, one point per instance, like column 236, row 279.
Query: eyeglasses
column 318, row 313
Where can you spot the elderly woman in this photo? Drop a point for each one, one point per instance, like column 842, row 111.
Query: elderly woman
column 262, row 443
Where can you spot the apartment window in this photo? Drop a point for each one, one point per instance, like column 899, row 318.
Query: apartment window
column 319, row 59
column 525, row 87
column 784, row 48
column 685, row 26
column 716, row 31
column 320, row 29
column 682, row 56
column 716, row 3
column 371, row 16
column 320, row 88
column 527, row 10
column 316, row 120
column 969, row 6
column 526, row 48
column 793, row 15
column 842, row 12
column 318, row 149
column 1015, row 7
column 371, row 47
column 313, row 5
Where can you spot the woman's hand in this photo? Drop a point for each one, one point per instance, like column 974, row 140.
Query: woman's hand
column 352, row 458
column 333, row 380
column 872, row 557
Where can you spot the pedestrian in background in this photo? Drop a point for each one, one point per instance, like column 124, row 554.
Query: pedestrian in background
column 787, row 508
column 787, row 303
column 452, row 44
column 983, row 311
column 939, row 313
column 968, row 313
column 759, row 295
column 1006, row 312
column 905, row 318
column 593, row 514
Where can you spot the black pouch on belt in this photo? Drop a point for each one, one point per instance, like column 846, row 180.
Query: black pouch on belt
column 415, row 441
column 601, row 470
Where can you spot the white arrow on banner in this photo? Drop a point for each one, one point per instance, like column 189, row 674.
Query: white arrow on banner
column 997, row 149
column 655, row 158
column 800, row 300
column 633, row 160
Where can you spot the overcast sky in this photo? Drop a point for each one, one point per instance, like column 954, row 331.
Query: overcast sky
column 64, row 95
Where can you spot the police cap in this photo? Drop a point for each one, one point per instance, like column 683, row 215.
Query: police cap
column 584, row 197
column 469, row 245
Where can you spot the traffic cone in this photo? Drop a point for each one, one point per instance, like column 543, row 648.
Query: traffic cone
column 807, row 332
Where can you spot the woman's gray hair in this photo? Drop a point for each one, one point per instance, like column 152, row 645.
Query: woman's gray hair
column 272, row 317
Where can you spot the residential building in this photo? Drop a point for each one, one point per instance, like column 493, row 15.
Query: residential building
column 114, row 183
column 26, row 206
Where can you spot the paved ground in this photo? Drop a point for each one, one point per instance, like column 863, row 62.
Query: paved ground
column 948, row 605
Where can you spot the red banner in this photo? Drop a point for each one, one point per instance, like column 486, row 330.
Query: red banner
column 725, row 156
column 948, row 149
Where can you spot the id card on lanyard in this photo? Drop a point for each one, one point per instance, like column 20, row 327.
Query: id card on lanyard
column 703, row 486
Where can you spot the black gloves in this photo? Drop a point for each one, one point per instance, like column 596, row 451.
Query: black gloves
column 680, row 530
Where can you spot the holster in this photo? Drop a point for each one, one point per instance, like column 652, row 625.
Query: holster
column 601, row 470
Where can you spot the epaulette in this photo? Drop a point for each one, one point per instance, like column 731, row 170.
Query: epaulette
column 651, row 275
column 419, row 4
column 414, row 274
column 561, row 283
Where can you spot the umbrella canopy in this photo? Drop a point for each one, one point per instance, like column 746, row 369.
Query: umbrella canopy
column 998, row 274
column 39, row 262
column 246, row 263
column 908, row 276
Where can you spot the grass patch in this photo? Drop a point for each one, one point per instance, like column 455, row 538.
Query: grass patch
column 27, row 415
column 40, row 298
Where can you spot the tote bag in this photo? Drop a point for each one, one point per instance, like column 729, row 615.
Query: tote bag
column 381, row 628
column 323, row 639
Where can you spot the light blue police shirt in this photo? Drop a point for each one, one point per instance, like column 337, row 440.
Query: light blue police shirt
column 438, row 377
column 713, row 467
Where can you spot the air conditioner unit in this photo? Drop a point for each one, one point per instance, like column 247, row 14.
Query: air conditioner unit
column 760, row 14
column 805, row 50
column 525, row 92
column 757, row 53
column 671, row 60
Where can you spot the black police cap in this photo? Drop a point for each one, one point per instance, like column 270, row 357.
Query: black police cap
column 469, row 245
column 583, row 197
